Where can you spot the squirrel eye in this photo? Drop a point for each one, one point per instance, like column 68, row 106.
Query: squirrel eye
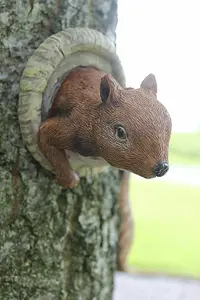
column 120, row 133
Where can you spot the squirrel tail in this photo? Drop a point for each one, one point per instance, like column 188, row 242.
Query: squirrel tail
column 127, row 224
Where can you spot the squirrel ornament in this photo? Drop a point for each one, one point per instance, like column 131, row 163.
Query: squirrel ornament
column 76, row 113
column 94, row 117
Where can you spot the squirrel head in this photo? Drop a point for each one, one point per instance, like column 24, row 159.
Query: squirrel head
column 134, row 128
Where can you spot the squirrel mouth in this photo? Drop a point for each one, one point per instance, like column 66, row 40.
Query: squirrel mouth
column 149, row 177
column 158, row 170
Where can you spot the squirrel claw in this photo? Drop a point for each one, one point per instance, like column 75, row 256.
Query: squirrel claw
column 68, row 181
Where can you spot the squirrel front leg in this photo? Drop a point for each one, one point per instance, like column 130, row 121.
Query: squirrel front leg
column 52, row 143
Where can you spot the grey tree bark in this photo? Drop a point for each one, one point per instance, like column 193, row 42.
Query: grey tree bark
column 54, row 244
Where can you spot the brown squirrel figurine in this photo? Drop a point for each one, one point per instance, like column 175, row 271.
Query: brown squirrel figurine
column 91, row 120
column 94, row 118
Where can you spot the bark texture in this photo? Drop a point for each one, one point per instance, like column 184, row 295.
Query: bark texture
column 54, row 244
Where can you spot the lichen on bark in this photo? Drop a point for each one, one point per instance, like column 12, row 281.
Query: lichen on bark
column 54, row 244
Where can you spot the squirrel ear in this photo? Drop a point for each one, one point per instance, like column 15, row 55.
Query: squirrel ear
column 104, row 89
column 150, row 83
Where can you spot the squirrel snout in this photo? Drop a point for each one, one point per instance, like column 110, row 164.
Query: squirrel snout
column 161, row 169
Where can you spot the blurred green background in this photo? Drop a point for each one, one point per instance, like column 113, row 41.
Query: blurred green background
column 167, row 214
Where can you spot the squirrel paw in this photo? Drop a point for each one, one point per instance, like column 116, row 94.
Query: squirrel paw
column 70, row 181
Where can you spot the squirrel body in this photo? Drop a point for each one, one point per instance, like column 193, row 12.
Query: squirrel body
column 72, row 114
column 84, row 82
column 74, row 101
column 94, row 121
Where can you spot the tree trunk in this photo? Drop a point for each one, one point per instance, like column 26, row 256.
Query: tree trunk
column 54, row 244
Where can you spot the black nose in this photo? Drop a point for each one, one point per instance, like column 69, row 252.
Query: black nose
column 161, row 169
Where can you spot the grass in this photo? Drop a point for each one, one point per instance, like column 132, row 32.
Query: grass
column 167, row 226
column 167, row 217
column 185, row 148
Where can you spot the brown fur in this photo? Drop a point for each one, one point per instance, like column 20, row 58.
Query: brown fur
column 84, row 118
